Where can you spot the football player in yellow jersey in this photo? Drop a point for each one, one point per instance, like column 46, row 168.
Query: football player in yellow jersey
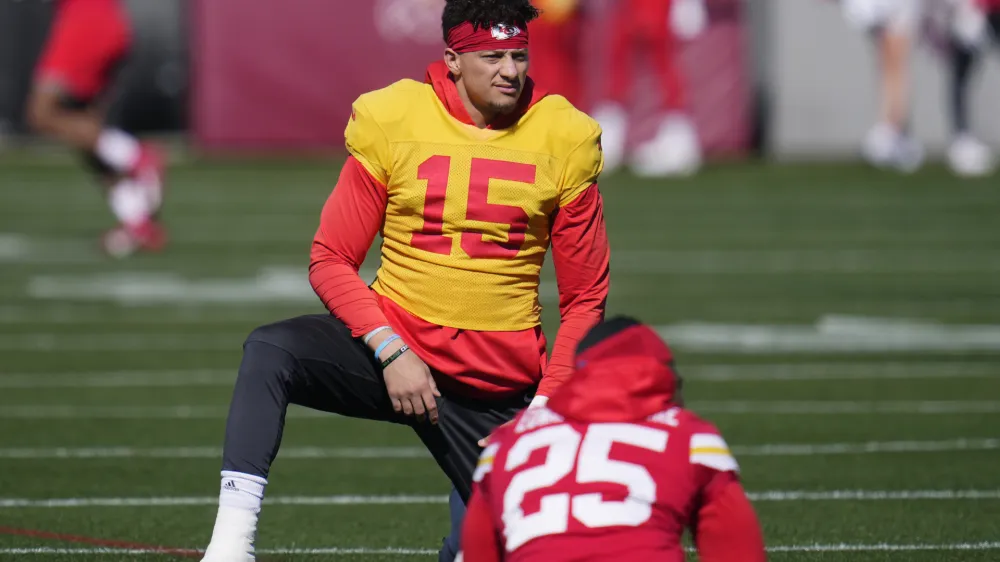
column 470, row 177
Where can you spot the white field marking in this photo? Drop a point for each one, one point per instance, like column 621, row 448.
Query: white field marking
column 210, row 453
column 788, row 407
column 899, row 370
column 73, row 412
column 873, row 495
column 896, row 370
column 871, row 447
column 765, row 496
column 702, row 337
column 775, row 262
column 885, row 547
column 100, row 343
column 269, row 286
column 214, row 500
column 265, row 551
column 844, row 407
column 18, row 248
column 120, row 379
column 833, row 334
column 837, row 547
column 289, row 453
column 161, row 315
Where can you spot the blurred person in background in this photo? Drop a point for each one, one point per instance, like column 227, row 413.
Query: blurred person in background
column 652, row 28
column 893, row 25
column 972, row 23
column 87, row 45
column 555, row 48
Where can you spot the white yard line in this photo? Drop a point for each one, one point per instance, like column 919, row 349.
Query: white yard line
column 895, row 370
column 766, row 496
column 288, row 453
column 783, row 262
column 49, row 342
column 214, row 500
column 836, row 547
column 736, row 407
column 885, row 547
column 269, row 286
column 21, row 248
column 265, row 551
column 829, row 335
column 846, row 407
column 120, row 379
column 171, row 314
column 833, row 334
column 73, row 412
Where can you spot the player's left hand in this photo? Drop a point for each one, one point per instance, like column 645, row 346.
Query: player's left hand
column 411, row 387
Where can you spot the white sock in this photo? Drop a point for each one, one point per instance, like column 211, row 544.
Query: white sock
column 236, row 523
column 118, row 149
column 129, row 202
column 242, row 491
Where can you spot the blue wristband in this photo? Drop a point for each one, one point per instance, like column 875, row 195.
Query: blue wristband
column 381, row 346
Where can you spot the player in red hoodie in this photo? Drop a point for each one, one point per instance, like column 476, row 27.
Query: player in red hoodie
column 611, row 468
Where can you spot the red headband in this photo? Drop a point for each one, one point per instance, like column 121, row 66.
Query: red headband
column 465, row 38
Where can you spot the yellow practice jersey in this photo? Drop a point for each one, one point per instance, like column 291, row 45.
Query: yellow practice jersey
column 468, row 216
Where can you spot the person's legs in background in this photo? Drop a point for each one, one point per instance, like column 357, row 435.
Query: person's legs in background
column 675, row 148
column 967, row 155
column 86, row 47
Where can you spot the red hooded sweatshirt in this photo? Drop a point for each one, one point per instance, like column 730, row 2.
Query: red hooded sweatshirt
column 611, row 469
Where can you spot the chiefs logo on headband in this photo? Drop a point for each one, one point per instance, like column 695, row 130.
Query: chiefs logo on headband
column 502, row 32
column 466, row 38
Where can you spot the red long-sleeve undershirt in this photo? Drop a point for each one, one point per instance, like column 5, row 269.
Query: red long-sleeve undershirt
column 725, row 528
column 485, row 363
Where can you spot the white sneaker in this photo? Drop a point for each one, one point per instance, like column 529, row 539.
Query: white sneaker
column 969, row 157
column 886, row 147
column 614, row 133
column 674, row 151
column 233, row 537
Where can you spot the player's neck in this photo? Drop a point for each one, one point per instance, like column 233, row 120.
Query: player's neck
column 481, row 118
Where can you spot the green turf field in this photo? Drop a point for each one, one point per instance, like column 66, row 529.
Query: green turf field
column 841, row 326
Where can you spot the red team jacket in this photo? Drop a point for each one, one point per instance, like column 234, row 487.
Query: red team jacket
column 610, row 469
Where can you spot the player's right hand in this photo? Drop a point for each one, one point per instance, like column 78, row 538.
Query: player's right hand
column 411, row 387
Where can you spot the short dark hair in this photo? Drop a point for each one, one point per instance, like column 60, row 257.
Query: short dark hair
column 486, row 13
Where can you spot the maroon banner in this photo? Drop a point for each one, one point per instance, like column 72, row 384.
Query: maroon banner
column 282, row 75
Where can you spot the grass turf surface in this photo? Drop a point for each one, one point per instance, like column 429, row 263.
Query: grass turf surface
column 93, row 387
